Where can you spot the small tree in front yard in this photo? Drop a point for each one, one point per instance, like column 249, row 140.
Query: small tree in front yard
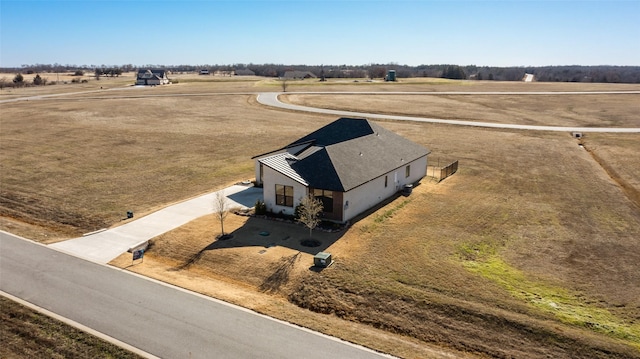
column 309, row 212
column 220, row 205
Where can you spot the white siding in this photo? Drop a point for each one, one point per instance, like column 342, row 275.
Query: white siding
column 359, row 199
column 270, row 179
column 259, row 179
column 373, row 192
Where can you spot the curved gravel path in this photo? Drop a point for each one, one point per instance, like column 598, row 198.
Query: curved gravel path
column 271, row 99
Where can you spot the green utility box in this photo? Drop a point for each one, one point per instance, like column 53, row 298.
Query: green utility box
column 322, row 259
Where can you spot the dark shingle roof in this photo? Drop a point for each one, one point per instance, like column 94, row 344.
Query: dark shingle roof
column 148, row 73
column 340, row 130
column 295, row 74
column 349, row 152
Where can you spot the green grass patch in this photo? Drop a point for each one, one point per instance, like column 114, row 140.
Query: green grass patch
column 476, row 251
column 562, row 303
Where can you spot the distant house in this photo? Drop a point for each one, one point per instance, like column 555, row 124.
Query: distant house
column 245, row 72
column 224, row 73
column 152, row 77
column 298, row 75
column 204, row 72
column 350, row 164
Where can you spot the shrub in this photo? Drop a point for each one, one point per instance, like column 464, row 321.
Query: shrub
column 18, row 80
column 261, row 208
column 39, row 81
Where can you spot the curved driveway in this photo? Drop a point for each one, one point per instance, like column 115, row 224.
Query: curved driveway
column 271, row 99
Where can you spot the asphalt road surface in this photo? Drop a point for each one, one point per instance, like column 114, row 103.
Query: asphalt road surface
column 159, row 319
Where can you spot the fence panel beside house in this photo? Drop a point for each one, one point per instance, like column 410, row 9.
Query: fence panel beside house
column 440, row 173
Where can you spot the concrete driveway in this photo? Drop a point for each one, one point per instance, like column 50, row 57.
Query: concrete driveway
column 104, row 246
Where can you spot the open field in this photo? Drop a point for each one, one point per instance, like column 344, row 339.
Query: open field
column 530, row 250
column 558, row 110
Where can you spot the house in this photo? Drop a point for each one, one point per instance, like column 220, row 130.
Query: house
column 294, row 75
column 224, row 73
column 245, row 72
column 152, row 77
column 350, row 164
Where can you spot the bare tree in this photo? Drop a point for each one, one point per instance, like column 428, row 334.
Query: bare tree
column 220, row 205
column 309, row 212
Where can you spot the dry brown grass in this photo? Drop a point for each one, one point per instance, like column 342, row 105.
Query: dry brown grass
column 530, row 218
column 76, row 166
column 541, row 110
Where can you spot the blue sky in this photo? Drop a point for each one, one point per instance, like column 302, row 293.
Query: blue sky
column 356, row 32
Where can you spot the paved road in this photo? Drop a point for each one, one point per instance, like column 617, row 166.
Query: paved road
column 104, row 246
column 159, row 319
column 271, row 99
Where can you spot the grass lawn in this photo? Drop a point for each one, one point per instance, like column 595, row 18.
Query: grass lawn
column 529, row 251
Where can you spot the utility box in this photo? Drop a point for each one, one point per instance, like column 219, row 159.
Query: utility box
column 322, row 259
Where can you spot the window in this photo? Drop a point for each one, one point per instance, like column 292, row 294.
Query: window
column 326, row 197
column 407, row 171
column 284, row 195
column 386, row 181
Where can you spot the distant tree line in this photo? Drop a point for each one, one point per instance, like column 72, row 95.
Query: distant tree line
column 613, row 74
column 107, row 71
